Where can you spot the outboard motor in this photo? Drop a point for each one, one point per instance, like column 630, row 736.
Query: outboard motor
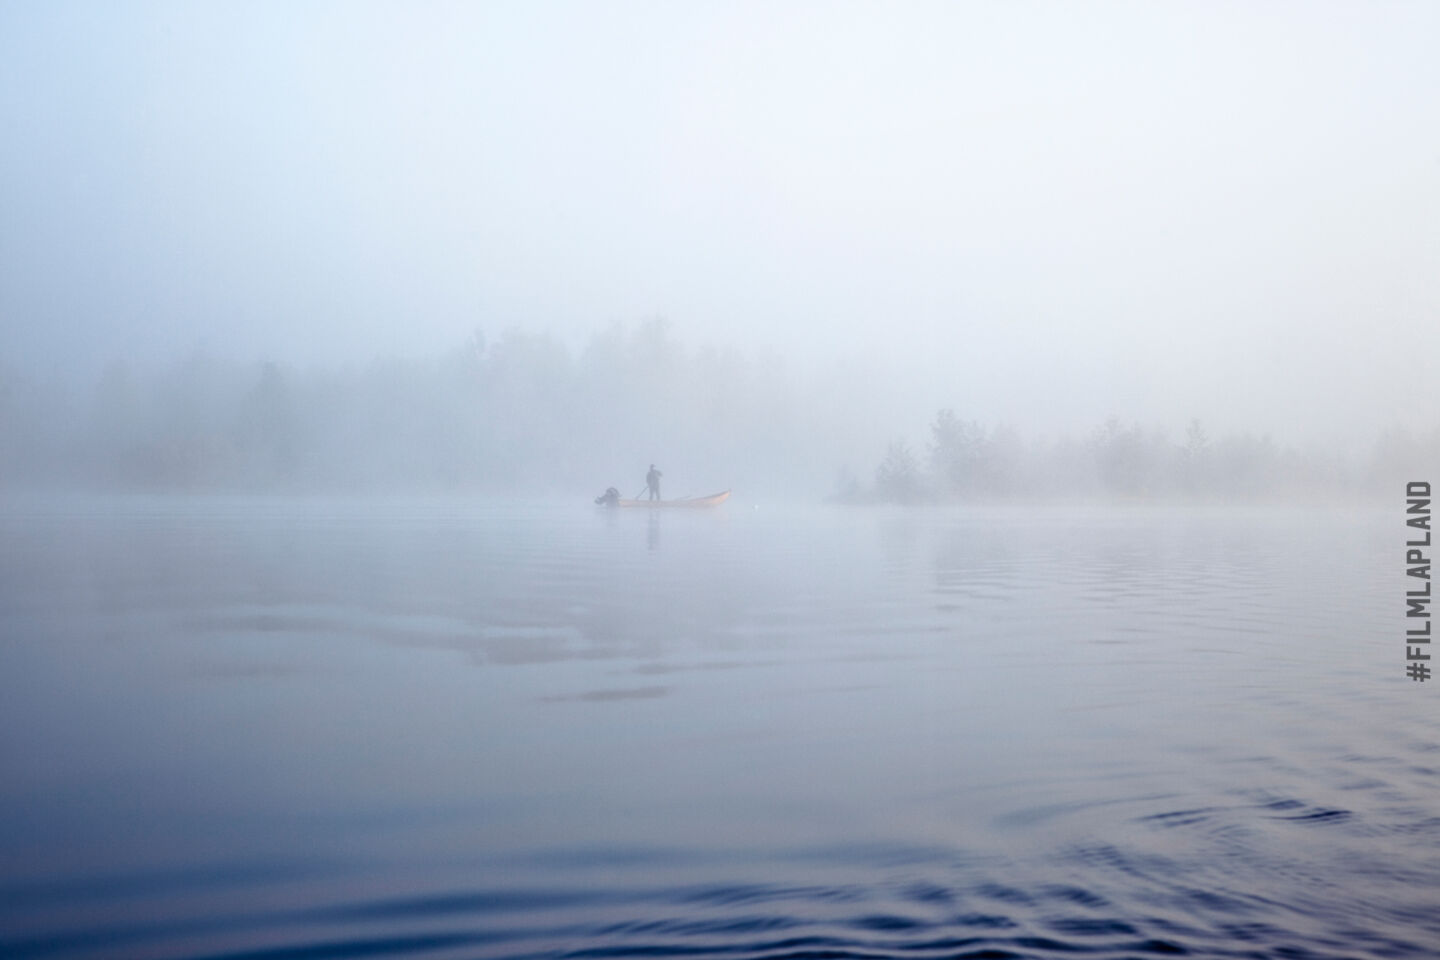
column 609, row 498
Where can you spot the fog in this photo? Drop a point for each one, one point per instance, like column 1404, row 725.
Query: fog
column 1137, row 250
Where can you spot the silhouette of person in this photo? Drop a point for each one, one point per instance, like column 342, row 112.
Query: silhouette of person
column 652, row 482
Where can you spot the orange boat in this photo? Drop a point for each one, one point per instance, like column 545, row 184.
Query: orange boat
column 713, row 500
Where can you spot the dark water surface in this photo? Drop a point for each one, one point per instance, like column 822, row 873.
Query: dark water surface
column 248, row 728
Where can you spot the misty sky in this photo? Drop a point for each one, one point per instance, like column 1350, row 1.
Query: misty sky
column 1039, row 214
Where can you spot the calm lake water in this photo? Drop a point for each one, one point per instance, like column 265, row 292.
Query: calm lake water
column 260, row 728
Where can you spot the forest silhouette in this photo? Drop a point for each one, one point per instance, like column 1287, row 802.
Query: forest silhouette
column 524, row 413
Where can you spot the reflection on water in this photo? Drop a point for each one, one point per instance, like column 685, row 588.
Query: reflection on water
column 303, row 729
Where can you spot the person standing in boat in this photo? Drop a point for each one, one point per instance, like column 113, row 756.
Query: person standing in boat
column 652, row 482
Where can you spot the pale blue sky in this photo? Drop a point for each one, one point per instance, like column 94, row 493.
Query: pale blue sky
column 1037, row 213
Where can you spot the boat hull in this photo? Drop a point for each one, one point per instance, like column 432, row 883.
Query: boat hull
column 713, row 500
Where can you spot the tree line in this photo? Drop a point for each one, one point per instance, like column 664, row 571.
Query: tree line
column 524, row 413
column 964, row 460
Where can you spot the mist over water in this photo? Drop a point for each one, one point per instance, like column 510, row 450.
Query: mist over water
column 1038, row 214
column 533, row 248
column 1063, row 364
